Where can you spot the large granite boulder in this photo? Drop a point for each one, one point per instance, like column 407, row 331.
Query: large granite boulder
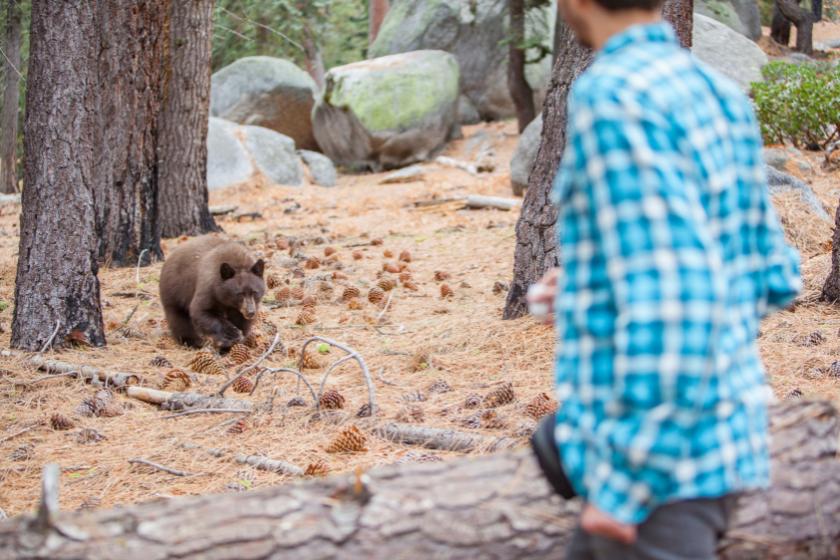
column 750, row 17
column 778, row 182
column 475, row 31
column 730, row 53
column 267, row 92
column 388, row 112
column 235, row 153
column 524, row 156
column 722, row 11
column 320, row 167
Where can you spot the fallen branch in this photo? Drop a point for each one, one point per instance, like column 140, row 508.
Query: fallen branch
column 278, row 370
column 352, row 354
column 385, row 381
column 44, row 378
column 259, row 463
column 436, row 438
column 468, row 167
column 51, row 338
column 109, row 378
column 223, row 388
column 160, row 467
column 205, row 410
column 185, row 401
column 20, row 433
column 498, row 203
column 131, row 314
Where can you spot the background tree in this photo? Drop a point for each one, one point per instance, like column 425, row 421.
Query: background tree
column 378, row 10
column 8, row 140
column 537, row 249
column 787, row 12
column 183, row 122
column 520, row 91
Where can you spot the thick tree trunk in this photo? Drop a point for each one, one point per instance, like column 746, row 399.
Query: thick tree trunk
column 537, row 249
column 8, row 142
column 520, row 90
column 377, row 9
column 312, row 57
column 58, row 262
column 129, row 41
column 803, row 20
column 496, row 506
column 183, row 122
column 780, row 27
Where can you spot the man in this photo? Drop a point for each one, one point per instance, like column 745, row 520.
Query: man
column 672, row 253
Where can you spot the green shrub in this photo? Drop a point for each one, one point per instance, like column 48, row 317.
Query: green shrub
column 799, row 104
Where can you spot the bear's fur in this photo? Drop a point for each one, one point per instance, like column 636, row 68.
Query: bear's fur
column 211, row 288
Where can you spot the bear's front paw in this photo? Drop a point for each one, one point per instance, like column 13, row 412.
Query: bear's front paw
column 228, row 338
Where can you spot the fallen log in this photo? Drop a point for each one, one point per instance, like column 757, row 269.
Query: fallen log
column 186, row 401
column 95, row 375
column 480, row 201
column 447, row 440
column 497, row 506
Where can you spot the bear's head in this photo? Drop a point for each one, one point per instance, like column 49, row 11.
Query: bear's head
column 242, row 287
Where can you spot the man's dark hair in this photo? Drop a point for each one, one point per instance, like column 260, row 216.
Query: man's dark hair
column 618, row 5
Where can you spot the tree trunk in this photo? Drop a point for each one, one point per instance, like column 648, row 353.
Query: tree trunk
column 831, row 287
column 816, row 10
column 58, row 257
column 8, row 141
column 129, row 41
column 520, row 90
column 312, row 57
column 802, row 19
column 378, row 10
column 779, row 27
column 537, row 249
column 496, row 506
column 183, row 122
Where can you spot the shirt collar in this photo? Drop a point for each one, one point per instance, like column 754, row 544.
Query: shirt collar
column 659, row 32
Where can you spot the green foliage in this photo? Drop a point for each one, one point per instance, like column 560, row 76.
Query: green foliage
column 25, row 6
column 799, row 104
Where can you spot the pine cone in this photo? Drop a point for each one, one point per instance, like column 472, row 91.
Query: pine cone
column 405, row 277
column 90, row 435
column 298, row 293
column 794, row 395
column 386, row 284
column 283, row 293
column 415, row 396
column 240, row 426
column 87, row 408
column 24, row 452
column 403, row 266
column 164, row 344
column 282, row 244
column 446, row 291
column 242, row 385
column 414, row 457
column 441, row 386
column 411, row 286
column 104, row 397
column 834, row 369
column 176, row 381
column 388, row 254
column 349, row 439
column 490, row 420
column 376, row 241
column 337, row 275
column 464, row 284
column 391, row 268
column 318, row 468
column 405, row 256
column 411, row 414
column 441, row 275
column 376, row 295
column 499, row 287
column 331, row 400
column 161, row 362
column 306, row 317
column 350, row 292
column 296, row 401
column 91, row 503
column 472, row 422
column 525, row 428
column 59, row 421
column 539, row 406
column 355, row 304
column 330, row 251
column 110, row 411
column 500, row 396
column 273, row 280
column 205, row 362
column 254, row 339
column 358, row 255
column 312, row 263
column 364, row 411
column 269, row 328
column 816, row 338
column 473, row 401
column 309, row 301
column 128, row 332
column 239, row 354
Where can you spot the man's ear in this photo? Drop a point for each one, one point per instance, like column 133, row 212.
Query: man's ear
column 227, row 271
column 258, row 268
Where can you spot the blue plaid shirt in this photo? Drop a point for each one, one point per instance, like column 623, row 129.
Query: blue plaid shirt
column 672, row 253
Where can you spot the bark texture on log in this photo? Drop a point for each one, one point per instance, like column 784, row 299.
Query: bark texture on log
column 491, row 507
column 56, row 274
column 537, row 249
column 520, row 91
column 831, row 287
column 183, row 122
column 802, row 19
column 11, row 95
column 780, row 27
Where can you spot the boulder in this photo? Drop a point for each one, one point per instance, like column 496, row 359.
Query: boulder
column 320, row 167
column 524, row 155
column 776, row 158
column 475, row 31
column 267, row 92
column 730, row 53
column 235, row 152
column 467, row 113
column 388, row 112
column 750, row 17
column 721, row 11
column 778, row 183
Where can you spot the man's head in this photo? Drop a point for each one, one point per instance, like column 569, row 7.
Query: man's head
column 595, row 21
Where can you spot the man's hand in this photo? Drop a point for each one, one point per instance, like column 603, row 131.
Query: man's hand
column 541, row 295
column 596, row 522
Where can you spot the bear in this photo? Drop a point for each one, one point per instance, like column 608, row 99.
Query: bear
column 211, row 288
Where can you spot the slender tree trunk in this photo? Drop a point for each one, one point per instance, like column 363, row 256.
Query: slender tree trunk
column 520, row 90
column 831, row 287
column 378, row 10
column 779, row 27
column 312, row 57
column 537, row 249
column 798, row 16
column 58, row 257
column 8, row 142
column 184, row 118
column 497, row 506
column 816, row 10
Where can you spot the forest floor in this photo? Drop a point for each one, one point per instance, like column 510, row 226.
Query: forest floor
column 420, row 339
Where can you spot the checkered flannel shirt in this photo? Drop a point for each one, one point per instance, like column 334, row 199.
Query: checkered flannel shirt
column 672, row 253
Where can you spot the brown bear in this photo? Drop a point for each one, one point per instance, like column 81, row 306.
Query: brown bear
column 211, row 288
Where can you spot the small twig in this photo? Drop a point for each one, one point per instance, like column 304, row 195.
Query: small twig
column 50, row 340
column 12, row 65
column 278, row 370
column 395, row 353
column 234, row 32
column 264, row 454
column 127, row 319
column 20, row 433
column 222, row 425
column 139, row 260
column 223, row 388
column 160, row 467
column 41, row 378
column 387, row 305
column 205, row 410
column 353, row 354
column 341, row 328
column 385, row 381
column 260, row 25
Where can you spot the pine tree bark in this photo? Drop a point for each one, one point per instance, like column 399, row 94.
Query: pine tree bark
column 378, row 9
column 802, row 19
column 184, row 117
column 496, row 506
column 831, row 287
column 780, row 27
column 11, row 95
column 56, row 279
column 537, row 249
column 520, row 90
column 312, row 57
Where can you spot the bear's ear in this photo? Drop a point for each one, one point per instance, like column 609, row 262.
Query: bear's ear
column 227, row 271
column 258, row 268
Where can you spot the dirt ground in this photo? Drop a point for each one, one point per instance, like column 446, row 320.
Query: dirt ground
column 418, row 340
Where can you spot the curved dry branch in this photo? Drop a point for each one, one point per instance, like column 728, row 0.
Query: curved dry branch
column 352, row 355
column 223, row 388
column 278, row 370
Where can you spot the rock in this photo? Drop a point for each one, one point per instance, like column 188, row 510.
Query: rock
column 750, row 17
column 778, row 183
column 228, row 162
column 798, row 58
column 524, row 155
column 776, row 158
column 388, row 112
column 730, row 53
column 467, row 113
column 267, row 92
column 801, row 165
column 406, row 175
column 320, row 167
column 833, row 43
column 721, row 11
column 274, row 154
column 474, row 31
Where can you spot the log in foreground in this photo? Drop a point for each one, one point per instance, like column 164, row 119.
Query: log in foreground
column 496, row 506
